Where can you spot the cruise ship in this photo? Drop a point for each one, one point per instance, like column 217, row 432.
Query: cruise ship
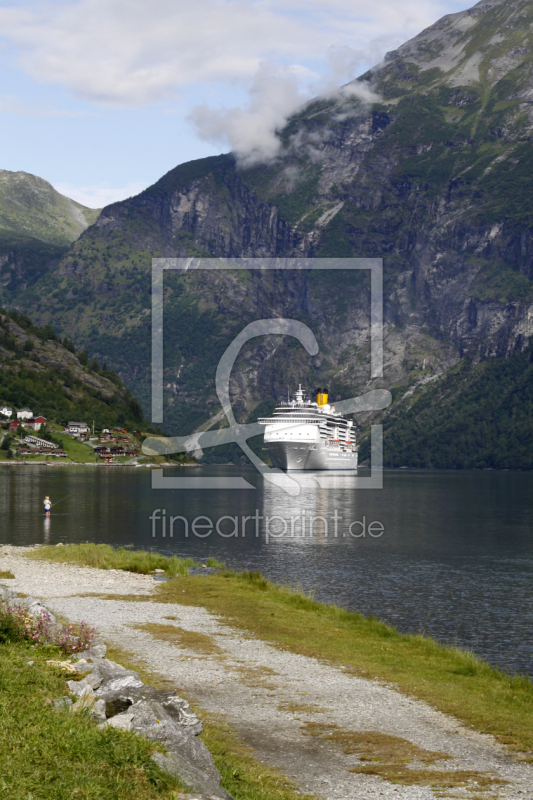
column 302, row 434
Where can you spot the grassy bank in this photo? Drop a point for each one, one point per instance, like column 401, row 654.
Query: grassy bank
column 50, row 754
column 103, row 556
column 451, row 680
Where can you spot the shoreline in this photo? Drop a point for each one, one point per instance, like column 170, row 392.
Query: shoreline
column 280, row 693
column 166, row 465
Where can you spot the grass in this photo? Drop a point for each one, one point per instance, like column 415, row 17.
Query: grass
column 103, row 556
column 191, row 640
column 6, row 574
column 242, row 775
column 454, row 681
column 76, row 451
column 390, row 758
column 48, row 754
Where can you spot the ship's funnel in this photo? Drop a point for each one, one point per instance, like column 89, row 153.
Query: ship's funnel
column 322, row 397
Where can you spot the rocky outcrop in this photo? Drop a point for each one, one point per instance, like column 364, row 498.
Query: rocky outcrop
column 118, row 698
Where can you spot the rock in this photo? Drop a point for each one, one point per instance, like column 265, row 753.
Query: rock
column 178, row 767
column 98, row 650
column 83, row 667
column 86, row 700
column 159, row 571
column 122, row 683
column 30, row 663
column 120, row 700
column 121, row 721
column 94, row 679
column 98, row 711
column 183, row 714
column 63, row 702
column 78, row 687
column 190, row 758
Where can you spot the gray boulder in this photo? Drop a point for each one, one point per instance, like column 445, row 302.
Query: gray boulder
column 188, row 756
column 119, row 700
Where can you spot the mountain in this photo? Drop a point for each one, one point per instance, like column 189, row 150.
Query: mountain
column 37, row 226
column 436, row 177
column 42, row 372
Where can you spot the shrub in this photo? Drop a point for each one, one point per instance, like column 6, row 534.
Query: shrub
column 17, row 624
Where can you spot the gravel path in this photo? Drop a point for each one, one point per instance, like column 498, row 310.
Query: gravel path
column 267, row 693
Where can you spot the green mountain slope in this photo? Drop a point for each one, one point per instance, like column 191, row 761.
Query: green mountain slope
column 436, row 177
column 39, row 371
column 473, row 417
column 31, row 207
column 37, row 226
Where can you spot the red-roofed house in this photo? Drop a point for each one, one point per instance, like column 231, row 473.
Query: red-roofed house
column 35, row 423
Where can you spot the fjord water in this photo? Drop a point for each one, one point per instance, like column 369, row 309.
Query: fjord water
column 455, row 558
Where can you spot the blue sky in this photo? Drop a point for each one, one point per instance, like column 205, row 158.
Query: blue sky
column 102, row 97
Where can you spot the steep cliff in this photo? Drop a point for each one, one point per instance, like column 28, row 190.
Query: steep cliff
column 436, row 177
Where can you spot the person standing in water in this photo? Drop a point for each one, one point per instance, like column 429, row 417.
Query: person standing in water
column 47, row 506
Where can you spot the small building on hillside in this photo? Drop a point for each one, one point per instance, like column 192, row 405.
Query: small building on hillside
column 78, row 428
column 35, row 423
column 13, row 426
column 24, row 413
column 7, row 411
column 35, row 441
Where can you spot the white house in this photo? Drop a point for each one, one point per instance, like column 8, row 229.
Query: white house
column 78, row 428
column 35, row 422
column 7, row 411
column 24, row 413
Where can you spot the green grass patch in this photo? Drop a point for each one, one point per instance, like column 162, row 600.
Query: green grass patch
column 6, row 574
column 47, row 753
column 76, row 451
column 454, row 681
column 103, row 556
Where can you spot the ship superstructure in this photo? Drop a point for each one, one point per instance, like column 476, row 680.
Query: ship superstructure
column 302, row 434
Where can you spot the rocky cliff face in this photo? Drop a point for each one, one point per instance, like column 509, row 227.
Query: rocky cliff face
column 436, row 177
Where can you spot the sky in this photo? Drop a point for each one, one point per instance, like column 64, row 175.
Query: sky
column 103, row 97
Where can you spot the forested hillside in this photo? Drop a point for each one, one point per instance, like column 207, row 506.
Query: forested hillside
column 46, row 374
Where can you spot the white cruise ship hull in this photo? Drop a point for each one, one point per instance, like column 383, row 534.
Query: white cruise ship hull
column 317, row 456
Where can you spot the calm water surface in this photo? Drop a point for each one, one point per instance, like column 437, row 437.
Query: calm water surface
column 455, row 558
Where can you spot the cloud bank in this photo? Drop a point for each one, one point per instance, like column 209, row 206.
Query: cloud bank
column 131, row 53
column 274, row 95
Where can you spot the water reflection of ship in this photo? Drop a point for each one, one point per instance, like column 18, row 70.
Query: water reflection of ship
column 306, row 435
column 317, row 515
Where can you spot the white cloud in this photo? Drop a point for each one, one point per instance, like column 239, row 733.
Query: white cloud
column 251, row 132
column 275, row 94
column 128, row 53
column 133, row 52
column 98, row 196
